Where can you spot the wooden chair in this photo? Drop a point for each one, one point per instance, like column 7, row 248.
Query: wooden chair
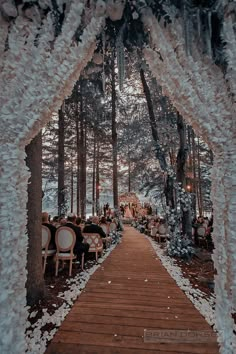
column 153, row 231
column 148, row 230
column 46, row 238
column 201, row 234
column 112, row 227
column 106, row 240
column 105, row 228
column 162, row 233
column 65, row 241
column 95, row 244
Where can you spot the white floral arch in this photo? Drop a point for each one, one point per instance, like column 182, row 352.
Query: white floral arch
column 37, row 78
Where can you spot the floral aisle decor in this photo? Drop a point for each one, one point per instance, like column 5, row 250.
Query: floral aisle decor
column 178, row 245
column 203, row 95
column 37, row 337
column 39, row 65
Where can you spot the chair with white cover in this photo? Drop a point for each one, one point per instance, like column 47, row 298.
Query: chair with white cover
column 148, row 229
column 112, row 227
column 95, row 244
column 153, row 231
column 201, row 235
column 106, row 240
column 46, row 238
column 162, row 233
column 65, row 241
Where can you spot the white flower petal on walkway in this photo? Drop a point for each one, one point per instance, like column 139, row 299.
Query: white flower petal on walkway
column 201, row 301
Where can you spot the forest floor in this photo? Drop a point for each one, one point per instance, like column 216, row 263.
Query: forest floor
column 199, row 271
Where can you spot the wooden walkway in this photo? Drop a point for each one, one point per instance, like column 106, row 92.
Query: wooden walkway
column 130, row 292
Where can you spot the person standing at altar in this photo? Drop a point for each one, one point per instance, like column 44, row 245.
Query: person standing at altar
column 122, row 210
column 104, row 210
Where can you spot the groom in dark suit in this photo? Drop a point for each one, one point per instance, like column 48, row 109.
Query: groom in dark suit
column 94, row 228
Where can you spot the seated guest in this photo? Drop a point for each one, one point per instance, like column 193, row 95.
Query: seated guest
column 103, row 220
column 62, row 221
column 52, row 228
column 78, row 220
column 80, row 247
column 55, row 221
column 88, row 221
column 94, row 227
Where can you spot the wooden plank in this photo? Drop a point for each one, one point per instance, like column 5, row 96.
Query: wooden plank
column 135, row 314
column 62, row 348
column 113, row 340
column 133, row 301
column 142, row 297
column 152, row 308
column 145, row 322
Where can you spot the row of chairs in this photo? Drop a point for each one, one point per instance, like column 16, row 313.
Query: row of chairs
column 65, row 239
column 159, row 233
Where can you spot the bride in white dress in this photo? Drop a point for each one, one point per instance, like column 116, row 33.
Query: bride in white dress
column 128, row 214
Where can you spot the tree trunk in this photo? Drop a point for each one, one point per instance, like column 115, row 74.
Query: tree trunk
column 200, row 203
column 195, row 193
column 35, row 281
column 61, row 164
column 94, row 175
column 77, row 150
column 159, row 152
column 78, row 167
column 85, row 167
column 82, row 155
column 114, row 133
column 191, row 172
column 182, row 153
column 129, row 173
column 72, row 189
column 169, row 187
column 97, row 180
column 180, row 174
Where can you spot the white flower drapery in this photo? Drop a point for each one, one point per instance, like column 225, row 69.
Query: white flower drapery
column 202, row 94
column 35, row 79
column 37, row 70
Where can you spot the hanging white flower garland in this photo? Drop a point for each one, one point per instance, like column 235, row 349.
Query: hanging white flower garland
column 197, row 87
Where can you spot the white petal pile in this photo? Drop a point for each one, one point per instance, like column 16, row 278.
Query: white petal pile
column 36, row 337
